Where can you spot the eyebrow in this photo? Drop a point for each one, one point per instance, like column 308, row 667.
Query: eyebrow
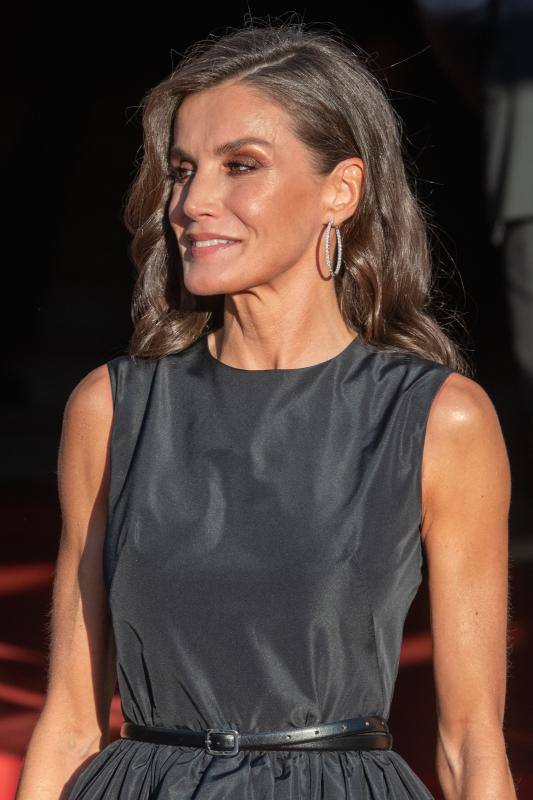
column 222, row 149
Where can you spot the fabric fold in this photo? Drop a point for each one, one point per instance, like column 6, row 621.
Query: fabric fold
column 130, row 770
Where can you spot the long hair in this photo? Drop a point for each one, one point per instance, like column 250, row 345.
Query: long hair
column 338, row 109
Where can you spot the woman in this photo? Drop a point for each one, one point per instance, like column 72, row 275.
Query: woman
column 244, row 490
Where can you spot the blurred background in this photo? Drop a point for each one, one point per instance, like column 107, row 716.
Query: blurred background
column 460, row 75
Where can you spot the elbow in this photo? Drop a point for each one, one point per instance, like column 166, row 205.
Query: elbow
column 472, row 754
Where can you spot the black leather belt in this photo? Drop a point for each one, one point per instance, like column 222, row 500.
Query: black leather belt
column 357, row 733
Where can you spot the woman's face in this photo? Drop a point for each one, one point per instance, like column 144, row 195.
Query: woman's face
column 262, row 194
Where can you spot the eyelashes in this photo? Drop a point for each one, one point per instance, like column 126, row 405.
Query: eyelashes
column 178, row 174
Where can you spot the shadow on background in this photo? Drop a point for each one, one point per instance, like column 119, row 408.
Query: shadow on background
column 71, row 139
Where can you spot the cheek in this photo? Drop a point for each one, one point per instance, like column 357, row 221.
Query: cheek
column 172, row 207
column 277, row 205
column 252, row 200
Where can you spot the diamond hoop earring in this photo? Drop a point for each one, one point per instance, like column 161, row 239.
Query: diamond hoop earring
column 339, row 249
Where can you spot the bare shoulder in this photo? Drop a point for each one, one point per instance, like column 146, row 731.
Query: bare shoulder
column 88, row 413
column 460, row 409
column 83, row 458
column 91, row 399
column 464, row 448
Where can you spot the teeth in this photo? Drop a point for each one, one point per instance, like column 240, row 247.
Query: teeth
column 210, row 242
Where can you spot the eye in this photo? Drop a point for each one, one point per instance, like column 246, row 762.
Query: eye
column 176, row 174
column 249, row 165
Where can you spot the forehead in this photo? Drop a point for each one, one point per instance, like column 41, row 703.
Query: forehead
column 230, row 111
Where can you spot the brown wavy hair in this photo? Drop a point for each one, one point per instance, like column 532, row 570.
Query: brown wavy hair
column 338, row 109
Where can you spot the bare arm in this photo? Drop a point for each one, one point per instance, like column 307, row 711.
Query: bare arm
column 466, row 497
column 74, row 722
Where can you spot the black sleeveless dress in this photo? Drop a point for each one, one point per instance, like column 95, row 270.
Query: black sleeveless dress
column 261, row 553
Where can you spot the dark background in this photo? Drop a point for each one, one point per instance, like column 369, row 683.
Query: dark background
column 71, row 137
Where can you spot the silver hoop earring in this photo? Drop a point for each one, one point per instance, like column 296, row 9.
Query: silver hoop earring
column 339, row 249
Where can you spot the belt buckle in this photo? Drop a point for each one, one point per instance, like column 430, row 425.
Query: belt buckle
column 213, row 751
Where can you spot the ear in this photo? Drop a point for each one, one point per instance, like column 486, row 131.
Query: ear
column 343, row 191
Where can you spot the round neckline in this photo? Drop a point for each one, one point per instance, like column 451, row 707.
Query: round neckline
column 283, row 370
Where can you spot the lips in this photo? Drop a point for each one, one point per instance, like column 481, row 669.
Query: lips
column 202, row 237
column 207, row 247
column 212, row 242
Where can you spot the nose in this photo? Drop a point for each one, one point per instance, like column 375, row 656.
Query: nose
column 201, row 194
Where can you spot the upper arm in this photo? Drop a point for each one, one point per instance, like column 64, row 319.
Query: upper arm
column 466, row 497
column 81, row 676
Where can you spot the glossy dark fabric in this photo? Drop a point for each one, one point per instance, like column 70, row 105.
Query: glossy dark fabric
column 261, row 554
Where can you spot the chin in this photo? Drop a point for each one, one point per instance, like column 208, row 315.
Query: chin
column 206, row 281
column 210, row 285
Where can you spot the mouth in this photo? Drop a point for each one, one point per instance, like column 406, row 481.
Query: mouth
column 201, row 249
